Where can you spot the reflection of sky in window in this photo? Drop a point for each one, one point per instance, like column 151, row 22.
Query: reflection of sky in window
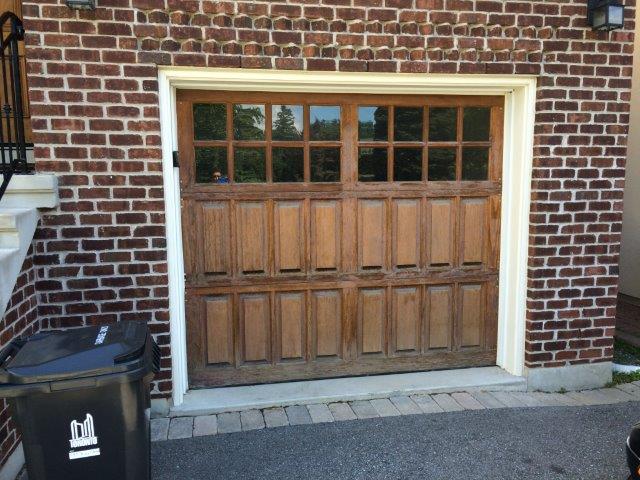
column 298, row 119
column 324, row 113
column 365, row 114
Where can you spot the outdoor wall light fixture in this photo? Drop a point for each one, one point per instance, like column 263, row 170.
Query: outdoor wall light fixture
column 605, row 14
column 81, row 4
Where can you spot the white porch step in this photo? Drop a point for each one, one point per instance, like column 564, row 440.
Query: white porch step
column 17, row 227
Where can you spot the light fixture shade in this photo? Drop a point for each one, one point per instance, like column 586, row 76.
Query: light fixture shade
column 81, row 4
column 606, row 14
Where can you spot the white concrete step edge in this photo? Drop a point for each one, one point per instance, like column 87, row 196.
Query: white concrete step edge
column 229, row 399
column 17, row 227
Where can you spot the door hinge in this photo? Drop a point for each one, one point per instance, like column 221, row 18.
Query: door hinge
column 175, row 160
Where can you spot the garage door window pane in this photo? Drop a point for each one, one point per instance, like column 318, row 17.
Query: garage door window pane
column 442, row 164
column 442, row 124
column 407, row 164
column 325, row 123
column 475, row 164
column 325, row 164
column 476, row 124
column 408, row 124
column 210, row 121
column 288, row 164
column 372, row 165
column 211, row 165
column 248, row 122
column 249, row 165
column 372, row 124
column 287, row 122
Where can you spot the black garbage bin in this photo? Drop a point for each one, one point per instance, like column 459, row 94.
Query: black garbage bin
column 81, row 400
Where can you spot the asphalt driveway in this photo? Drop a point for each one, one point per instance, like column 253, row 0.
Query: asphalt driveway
column 533, row 443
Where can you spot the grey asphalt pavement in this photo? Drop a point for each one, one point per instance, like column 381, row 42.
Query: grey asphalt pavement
column 585, row 443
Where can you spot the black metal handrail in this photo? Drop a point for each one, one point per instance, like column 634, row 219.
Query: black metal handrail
column 13, row 147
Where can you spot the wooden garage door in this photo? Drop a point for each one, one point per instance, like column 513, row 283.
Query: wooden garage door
column 331, row 235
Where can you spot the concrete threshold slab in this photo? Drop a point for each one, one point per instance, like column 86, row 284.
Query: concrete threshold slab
column 229, row 399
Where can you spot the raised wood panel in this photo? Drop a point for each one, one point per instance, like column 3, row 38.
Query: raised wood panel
column 372, row 315
column 440, row 232
column 325, row 235
column 290, row 316
column 326, row 312
column 289, row 236
column 472, row 230
column 216, row 226
column 406, row 233
column 219, row 315
column 255, row 331
column 253, row 241
column 406, row 319
column 439, row 301
column 372, row 234
column 471, row 316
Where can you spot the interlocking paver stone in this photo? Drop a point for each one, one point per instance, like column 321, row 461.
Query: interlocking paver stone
column 180, row 427
column 159, row 429
column 229, row 422
column 384, row 407
column 205, row 425
column 447, row 402
column 363, row 409
column 508, row 399
column 251, row 420
column 426, row 404
column 405, row 405
column 488, row 400
column 467, row 401
column 320, row 413
column 298, row 415
column 275, row 417
column 341, row 411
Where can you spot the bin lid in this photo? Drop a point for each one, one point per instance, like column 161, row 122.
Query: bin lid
column 78, row 353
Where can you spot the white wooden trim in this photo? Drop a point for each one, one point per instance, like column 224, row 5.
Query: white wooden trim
column 519, row 92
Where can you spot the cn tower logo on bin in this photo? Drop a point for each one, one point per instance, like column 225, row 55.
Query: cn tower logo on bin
column 83, row 435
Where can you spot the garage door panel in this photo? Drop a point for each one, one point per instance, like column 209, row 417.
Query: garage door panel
column 439, row 315
column 326, row 317
column 219, row 315
column 406, row 319
column 471, row 315
column 291, row 313
column 290, row 236
column 255, row 327
column 253, row 239
column 216, row 226
column 406, row 233
column 372, row 316
column 473, row 219
column 372, row 234
column 440, row 231
column 326, row 235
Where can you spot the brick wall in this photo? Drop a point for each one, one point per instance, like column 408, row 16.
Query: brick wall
column 19, row 319
column 93, row 90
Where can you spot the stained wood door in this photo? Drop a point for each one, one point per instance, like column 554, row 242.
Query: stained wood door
column 331, row 235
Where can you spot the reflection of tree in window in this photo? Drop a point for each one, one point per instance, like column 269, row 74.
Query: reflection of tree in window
column 408, row 124
column 325, row 122
column 288, row 164
column 372, row 165
column 208, row 160
column 210, row 121
column 249, row 165
column 476, row 124
column 325, row 164
column 475, row 163
column 407, row 165
column 372, row 124
column 442, row 164
column 248, row 122
column 442, row 124
column 284, row 124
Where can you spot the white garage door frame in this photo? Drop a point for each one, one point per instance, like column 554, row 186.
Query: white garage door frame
column 519, row 92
